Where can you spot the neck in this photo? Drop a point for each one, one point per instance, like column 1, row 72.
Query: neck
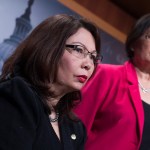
column 144, row 90
column 58, row 91
column 56, row 95
column 142, row 75
column 53, row 101
column 143, row 80
column 142, row 66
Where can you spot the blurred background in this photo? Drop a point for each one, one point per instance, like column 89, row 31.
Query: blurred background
column 113, row 17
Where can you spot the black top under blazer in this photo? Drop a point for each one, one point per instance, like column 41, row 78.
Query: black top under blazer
column 25, row 125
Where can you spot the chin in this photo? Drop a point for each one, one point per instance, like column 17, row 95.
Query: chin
column 78, row 87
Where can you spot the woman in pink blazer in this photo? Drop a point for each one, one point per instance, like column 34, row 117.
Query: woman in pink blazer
column 116, row 102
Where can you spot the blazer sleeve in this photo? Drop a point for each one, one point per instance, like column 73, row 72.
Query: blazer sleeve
column 18, row 115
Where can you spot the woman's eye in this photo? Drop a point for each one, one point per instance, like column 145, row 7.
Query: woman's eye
column 79, row 50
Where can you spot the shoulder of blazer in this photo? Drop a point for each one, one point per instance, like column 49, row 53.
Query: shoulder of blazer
column 105, row 75
column 20, row 114
column 19, row 93
column 109, row 68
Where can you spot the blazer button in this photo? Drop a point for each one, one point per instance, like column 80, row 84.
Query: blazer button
column 73, row 136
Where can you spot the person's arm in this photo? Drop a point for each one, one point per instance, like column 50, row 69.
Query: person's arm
column 18, row 115
column 95, row 94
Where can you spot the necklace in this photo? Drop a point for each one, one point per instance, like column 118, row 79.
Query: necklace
column 54, row 119
column 144, row 90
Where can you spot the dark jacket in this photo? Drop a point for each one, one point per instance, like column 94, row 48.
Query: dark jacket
column 25, row 125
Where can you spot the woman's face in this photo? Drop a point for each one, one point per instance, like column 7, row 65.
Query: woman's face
column 142, row 48
column 75, row 69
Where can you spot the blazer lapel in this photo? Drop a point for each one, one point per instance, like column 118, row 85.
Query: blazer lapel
column 135, row 96
column 137, row 103
column 66, row 135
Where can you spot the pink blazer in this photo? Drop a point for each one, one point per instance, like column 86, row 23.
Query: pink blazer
column 112, row 109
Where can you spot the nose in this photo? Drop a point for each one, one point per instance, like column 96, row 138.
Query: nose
column 86, row 67
column 87, row 64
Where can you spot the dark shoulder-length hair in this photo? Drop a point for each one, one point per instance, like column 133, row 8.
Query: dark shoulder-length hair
column 136, row 32
column 37, row 57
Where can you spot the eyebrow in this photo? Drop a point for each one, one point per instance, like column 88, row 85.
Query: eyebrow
column 76, row 43
column 79, row 43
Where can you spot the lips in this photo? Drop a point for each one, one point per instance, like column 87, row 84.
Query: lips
column 82, row 78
